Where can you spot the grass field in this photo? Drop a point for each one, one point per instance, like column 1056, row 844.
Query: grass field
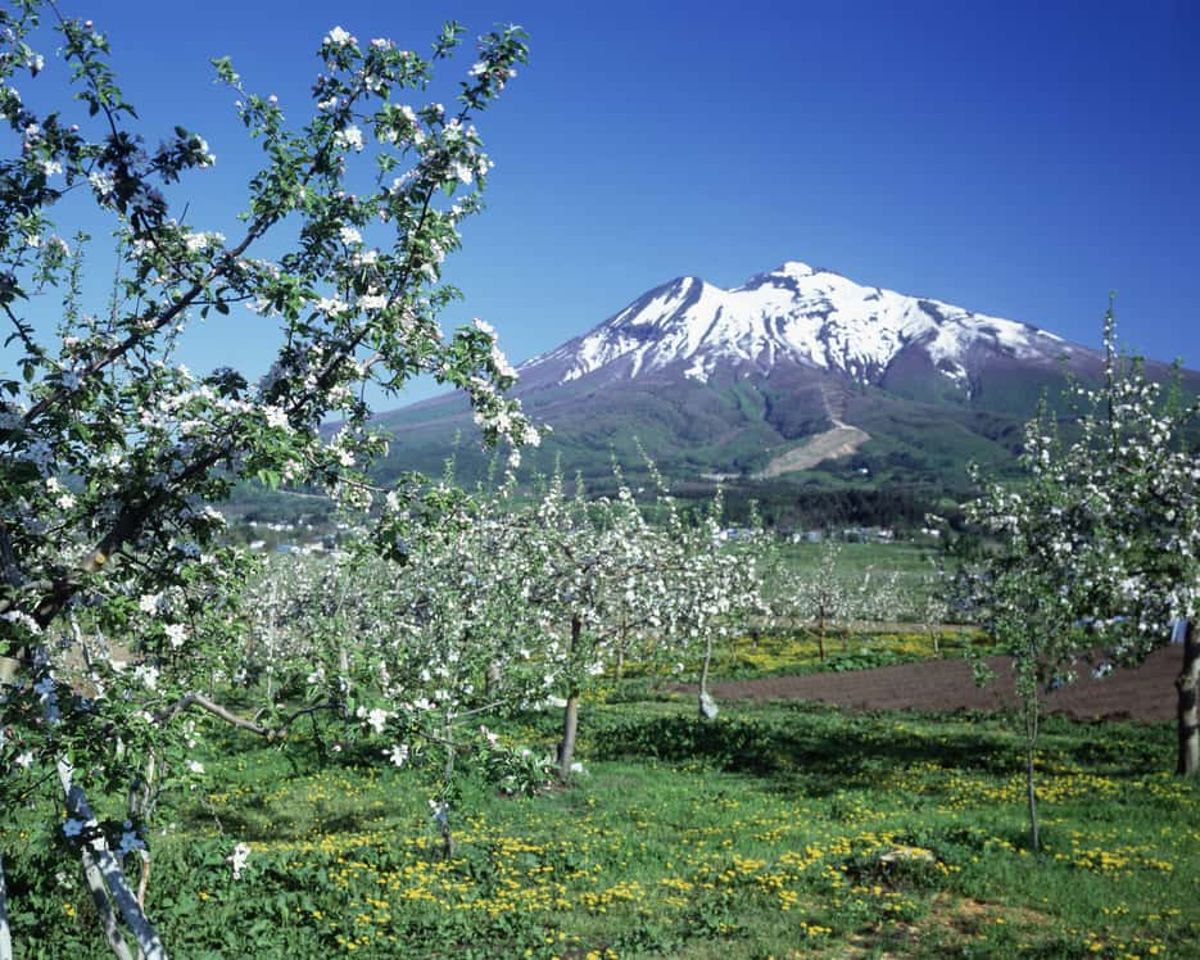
column 776, row 831
column 908, row 559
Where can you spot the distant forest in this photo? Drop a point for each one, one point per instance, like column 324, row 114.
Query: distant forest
column 790, row 508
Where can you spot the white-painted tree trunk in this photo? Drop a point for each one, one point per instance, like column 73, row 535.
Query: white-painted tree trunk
column 5, row 935
column 98, row 854
column 1188, row 709
column 143, row 931
column 706, row 704
column 108, row 920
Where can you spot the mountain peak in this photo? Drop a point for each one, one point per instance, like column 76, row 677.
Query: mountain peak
column 797, row 268
column 795, row 314
column 790, row 275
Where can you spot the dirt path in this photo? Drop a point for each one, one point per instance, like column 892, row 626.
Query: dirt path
column 841, row 441
column 1146, row 693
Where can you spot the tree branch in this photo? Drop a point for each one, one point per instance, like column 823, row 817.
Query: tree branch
column 194, row 699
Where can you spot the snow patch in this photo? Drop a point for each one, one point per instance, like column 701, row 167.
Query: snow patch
column 698, row 370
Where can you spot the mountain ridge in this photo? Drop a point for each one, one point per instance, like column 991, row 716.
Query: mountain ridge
column 752, row 383
column 796, row 312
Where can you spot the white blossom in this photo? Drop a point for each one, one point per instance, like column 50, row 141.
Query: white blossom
column 237, row 859
column 351, row 137
column 176, row 634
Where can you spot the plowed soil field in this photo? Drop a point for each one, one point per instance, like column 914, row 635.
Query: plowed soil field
column 1146, row 693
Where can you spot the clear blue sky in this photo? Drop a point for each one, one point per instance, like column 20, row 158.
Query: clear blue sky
column 1016, row 158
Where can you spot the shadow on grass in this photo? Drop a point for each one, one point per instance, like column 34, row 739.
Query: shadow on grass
column 828, row 750
column 253, row 822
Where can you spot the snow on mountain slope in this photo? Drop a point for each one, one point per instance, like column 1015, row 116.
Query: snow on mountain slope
column 795, row 313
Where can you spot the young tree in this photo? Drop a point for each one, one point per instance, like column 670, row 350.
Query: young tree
column 454, row 638
column 1135, row 467
column 933, row 604
column 1025, row 590
column 1104, row 532
column 112, row 449
column 820, row 597
column 714, row 586
column 596, row 575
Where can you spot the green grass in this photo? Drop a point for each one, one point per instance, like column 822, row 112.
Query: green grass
column 774, row 831
column 858, row 558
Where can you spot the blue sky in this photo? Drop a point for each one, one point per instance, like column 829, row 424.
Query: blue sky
column 1016, row 158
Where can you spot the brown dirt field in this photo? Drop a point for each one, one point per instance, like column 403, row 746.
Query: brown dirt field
column 1145, row 694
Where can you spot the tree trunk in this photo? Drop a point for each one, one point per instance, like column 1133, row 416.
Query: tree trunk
column 5, row 936
column 821, row 634
column 140, row 806
column 566, row 747
column 110, row 870
column 1188, row 686
column 96, row 852
column 271, row 643
column 447, row 778
column 344, row 679
column 108, row 920
column 1031, row 735
column 706, row 706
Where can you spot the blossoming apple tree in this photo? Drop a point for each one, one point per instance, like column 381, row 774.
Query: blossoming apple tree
column 592, row 575
column 409, row 642
column 715, row 584
column 453, row 639
column 1105, row 535
column 820, row 596
column 1024, row 591
column 1134, row 468
column 112, row 448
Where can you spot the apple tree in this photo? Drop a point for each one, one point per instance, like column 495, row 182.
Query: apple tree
column 113, row 450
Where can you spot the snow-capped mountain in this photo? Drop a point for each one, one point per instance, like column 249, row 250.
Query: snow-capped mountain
column 796, row 370
column 794, row 314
